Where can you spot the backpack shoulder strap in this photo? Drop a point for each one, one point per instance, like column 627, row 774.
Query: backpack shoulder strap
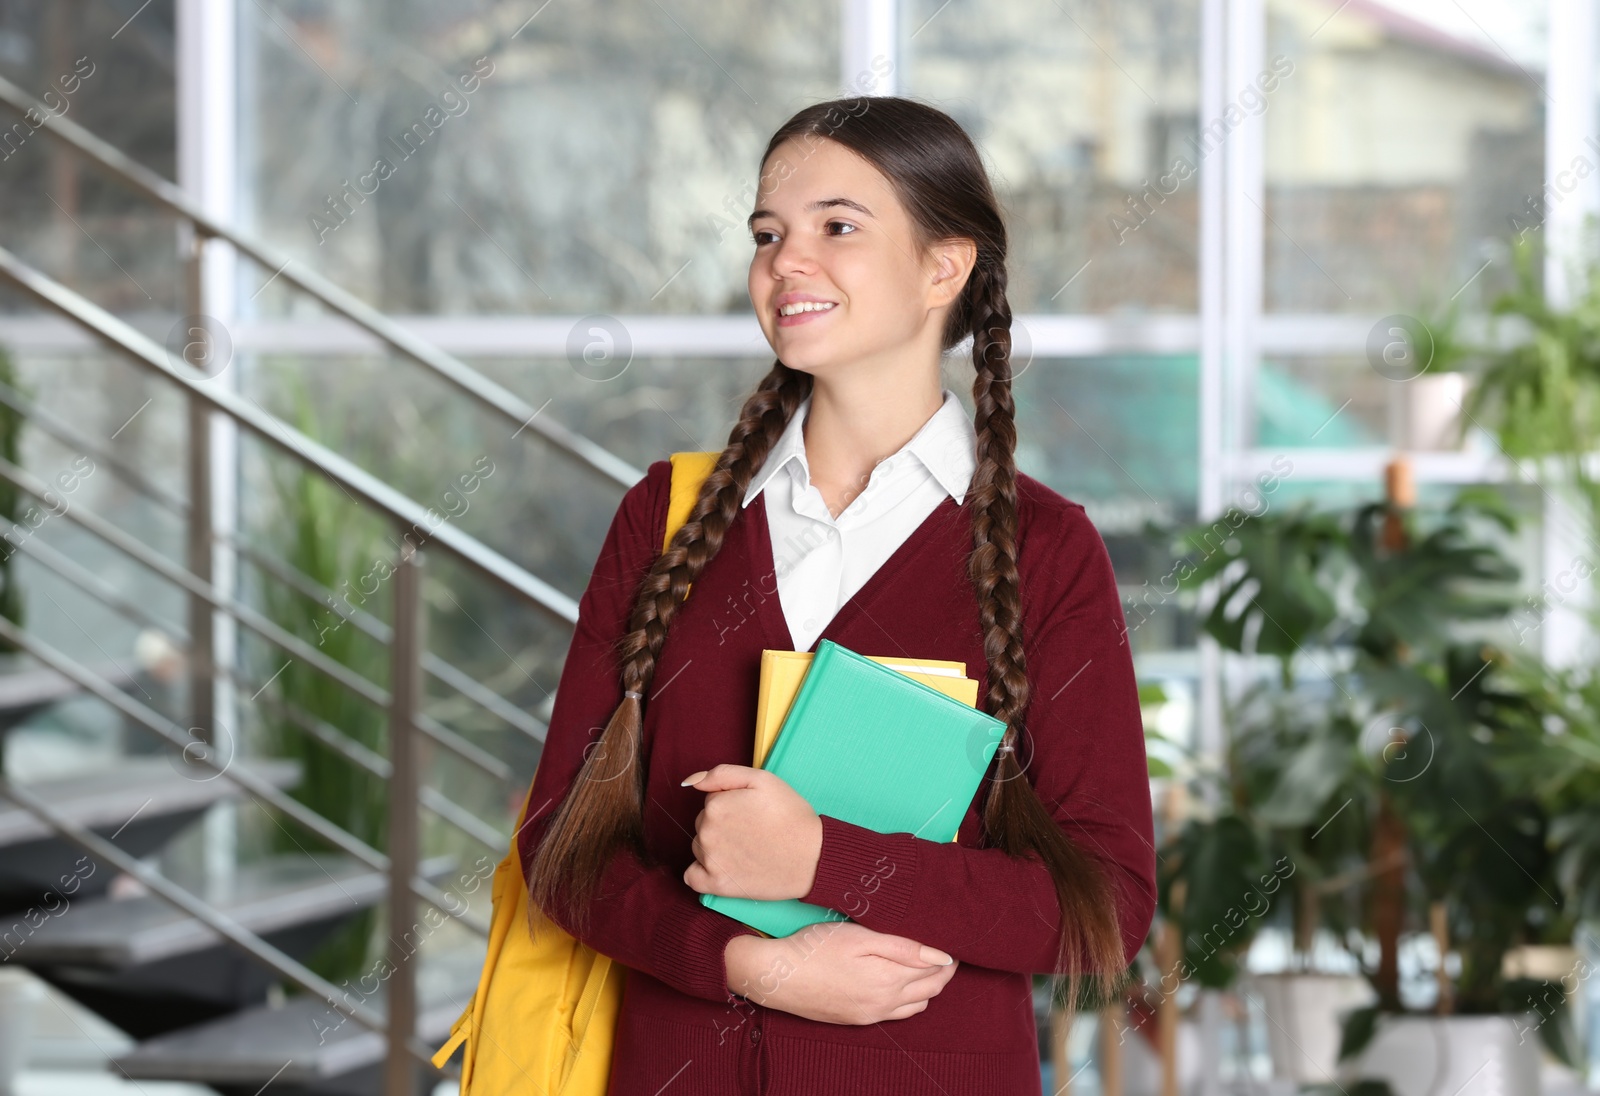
column 689, row 472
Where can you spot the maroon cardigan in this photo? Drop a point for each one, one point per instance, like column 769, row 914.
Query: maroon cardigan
column 1083, row 751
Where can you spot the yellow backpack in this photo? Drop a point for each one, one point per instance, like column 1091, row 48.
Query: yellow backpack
column 544, row 1016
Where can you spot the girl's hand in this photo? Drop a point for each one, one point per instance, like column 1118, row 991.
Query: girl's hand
column 838, row 972
column 755, row 838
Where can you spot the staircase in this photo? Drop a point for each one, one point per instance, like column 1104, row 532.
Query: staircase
column 208, row 966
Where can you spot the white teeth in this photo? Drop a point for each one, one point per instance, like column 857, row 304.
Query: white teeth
column 804, row 306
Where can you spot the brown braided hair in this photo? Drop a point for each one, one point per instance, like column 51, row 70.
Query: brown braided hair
column 939, row 178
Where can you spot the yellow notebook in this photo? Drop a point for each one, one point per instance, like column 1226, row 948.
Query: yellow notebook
column 783, row 671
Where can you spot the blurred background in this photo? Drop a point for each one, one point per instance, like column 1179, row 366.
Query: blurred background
column 1306, row 317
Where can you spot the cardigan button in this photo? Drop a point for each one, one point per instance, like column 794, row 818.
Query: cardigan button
column 755, row 1036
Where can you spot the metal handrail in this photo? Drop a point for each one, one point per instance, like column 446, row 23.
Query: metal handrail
column 486, row 392
column 309, row 587
column 96, row 587
column 442, row 670
column 196, row 751
column 406, row 647
column 357, row 754
column 65, row 433
column 354, row 480
column 375, row 763
column 218, row 922
column 274, row 634
column 331, row 466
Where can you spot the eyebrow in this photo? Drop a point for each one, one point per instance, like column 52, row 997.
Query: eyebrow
column 820, row 203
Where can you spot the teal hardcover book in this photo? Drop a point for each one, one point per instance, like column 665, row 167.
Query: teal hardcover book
column 871, row 746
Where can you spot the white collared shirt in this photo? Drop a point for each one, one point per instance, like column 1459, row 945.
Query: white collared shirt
column 821, row 561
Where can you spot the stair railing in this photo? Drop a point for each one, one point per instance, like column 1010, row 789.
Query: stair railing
column 408, row 663
column 202, row 531
column 486, row 392
column 409, row 659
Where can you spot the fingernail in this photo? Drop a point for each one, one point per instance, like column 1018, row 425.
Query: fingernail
column 934, row 955
column 695, row 778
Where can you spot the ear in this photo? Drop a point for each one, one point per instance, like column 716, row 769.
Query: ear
column 952, row 262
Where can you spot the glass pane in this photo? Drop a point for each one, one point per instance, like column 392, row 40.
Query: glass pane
column 510, row 490
column 542, row 509
column 444, row 158
column 1402, row 142
column 109, row 69
column 1087, row 117
column 102, row 438
column 1339, row 401
column 1118, row 435
column 1323, row 402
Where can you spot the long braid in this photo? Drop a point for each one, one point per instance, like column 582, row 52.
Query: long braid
column 1014, row 816
column 604, row 808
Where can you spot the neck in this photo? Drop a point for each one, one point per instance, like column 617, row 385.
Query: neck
column 856, row 422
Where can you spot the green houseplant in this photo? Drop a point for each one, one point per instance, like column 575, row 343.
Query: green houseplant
column 312, row 529
column 1538, row 388
column 1358, row 767
column 1244, row 859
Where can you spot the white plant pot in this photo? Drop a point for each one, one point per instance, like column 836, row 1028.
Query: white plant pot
column 1303, row 1020
column 21, row 997
column 1430, row 411
column 1452, row 1056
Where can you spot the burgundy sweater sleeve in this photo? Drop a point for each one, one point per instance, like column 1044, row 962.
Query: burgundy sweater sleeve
column 1083, row 750
column 646, row 918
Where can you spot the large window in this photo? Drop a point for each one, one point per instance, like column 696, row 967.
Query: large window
column 480, row 157
column 511, row 177
column 1086, row 113
column 110, row 68
column 1403, row 147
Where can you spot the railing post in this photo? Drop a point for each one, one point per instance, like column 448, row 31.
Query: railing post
column 202, row 631
column 405, row 655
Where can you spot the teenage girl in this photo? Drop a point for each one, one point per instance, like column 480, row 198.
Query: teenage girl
column 855, row 502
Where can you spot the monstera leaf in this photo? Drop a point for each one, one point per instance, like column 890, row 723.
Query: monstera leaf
column 1227, row 887
column 1478, row 833
column 1570, row 785
column 1310, row 775
column 1447, row 574
column 1271, row 575
column 1576, row 837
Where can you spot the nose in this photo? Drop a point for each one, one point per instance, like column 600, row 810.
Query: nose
column 792, row 255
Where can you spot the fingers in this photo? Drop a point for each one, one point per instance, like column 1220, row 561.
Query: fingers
column 725, row 776
column 907, row 952
column 916, row 993
column 907, row 1010
column 696, row 878
column 931, row 983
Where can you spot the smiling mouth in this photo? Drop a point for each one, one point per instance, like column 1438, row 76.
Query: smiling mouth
column 808, row 312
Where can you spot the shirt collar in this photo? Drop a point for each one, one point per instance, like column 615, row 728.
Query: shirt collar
column 946, row 445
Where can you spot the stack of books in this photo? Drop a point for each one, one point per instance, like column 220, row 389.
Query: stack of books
column 895, row 745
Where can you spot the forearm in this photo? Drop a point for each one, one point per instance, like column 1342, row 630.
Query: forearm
column 981, row 906
column 649, row 920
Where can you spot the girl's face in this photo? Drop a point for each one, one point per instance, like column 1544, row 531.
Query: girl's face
column 828, row 229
